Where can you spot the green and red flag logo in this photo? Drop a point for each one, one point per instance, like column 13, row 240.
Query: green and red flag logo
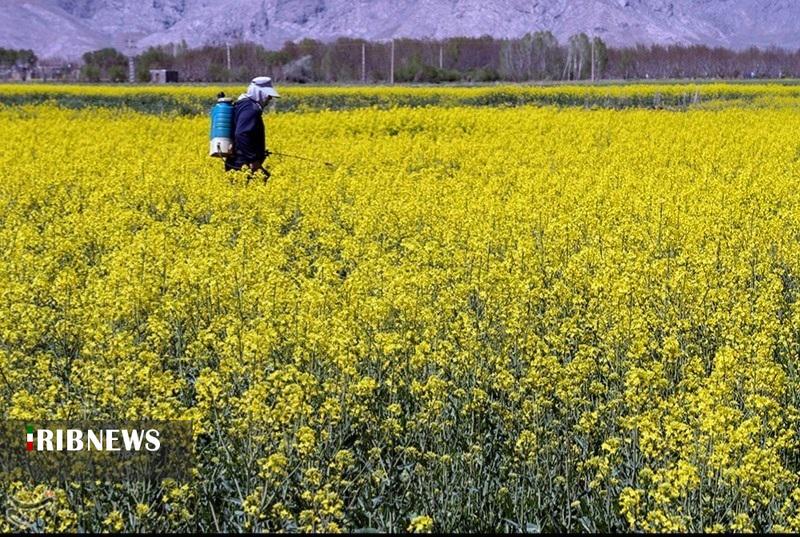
column 29, row 437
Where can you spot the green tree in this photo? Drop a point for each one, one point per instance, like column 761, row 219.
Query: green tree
column 105, row 64
column 546, row 56
column 153, row 58
column 90, row 73
column 579, row 58
column 117, row 74
column 18, row 57
column 600, row 57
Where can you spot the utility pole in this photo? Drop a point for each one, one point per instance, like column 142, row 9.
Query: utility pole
column 391, row 70
column 364, row 62
column 131, row 66
column 593, row 59
column 228, row 54
column 441, row 56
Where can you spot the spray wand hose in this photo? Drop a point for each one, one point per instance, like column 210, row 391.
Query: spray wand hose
column 299, row 157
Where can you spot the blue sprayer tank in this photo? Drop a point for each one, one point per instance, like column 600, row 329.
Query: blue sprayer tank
column 221, row 135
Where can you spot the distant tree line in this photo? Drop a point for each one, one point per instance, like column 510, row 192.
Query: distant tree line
column 534, row 57
column 23, row 65
column 537, row 56
column 16, row 63
column 700, row 61
column 17, row 58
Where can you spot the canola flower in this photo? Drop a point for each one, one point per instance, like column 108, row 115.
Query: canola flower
column 483, row 318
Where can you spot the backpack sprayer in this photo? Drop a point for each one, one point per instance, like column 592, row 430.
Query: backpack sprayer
column 221, row 135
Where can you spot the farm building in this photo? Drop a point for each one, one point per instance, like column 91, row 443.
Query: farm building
column 163, row 76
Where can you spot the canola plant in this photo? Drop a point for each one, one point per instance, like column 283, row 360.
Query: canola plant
column 501, row 319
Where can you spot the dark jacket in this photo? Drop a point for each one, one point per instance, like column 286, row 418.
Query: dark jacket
column 249, row 142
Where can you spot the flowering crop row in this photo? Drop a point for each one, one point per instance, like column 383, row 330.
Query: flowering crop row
column 189, row 100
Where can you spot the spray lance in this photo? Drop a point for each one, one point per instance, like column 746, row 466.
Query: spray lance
column 299, row 157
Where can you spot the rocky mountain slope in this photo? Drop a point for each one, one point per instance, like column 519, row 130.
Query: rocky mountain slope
column 69, row 27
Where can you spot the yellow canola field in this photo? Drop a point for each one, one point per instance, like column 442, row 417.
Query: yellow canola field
column 195, row 98
column 480, row 319
column 788, row 88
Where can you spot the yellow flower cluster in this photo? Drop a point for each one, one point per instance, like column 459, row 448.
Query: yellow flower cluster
column 521, row 319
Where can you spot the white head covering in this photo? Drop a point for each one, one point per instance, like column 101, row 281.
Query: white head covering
column 259, row 89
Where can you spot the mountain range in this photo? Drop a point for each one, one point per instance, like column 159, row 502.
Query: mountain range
column 67, row 28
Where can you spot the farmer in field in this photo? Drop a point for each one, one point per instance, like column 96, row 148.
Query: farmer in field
column 248, row 127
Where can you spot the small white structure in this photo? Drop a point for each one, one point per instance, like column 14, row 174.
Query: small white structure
column 163, row 76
